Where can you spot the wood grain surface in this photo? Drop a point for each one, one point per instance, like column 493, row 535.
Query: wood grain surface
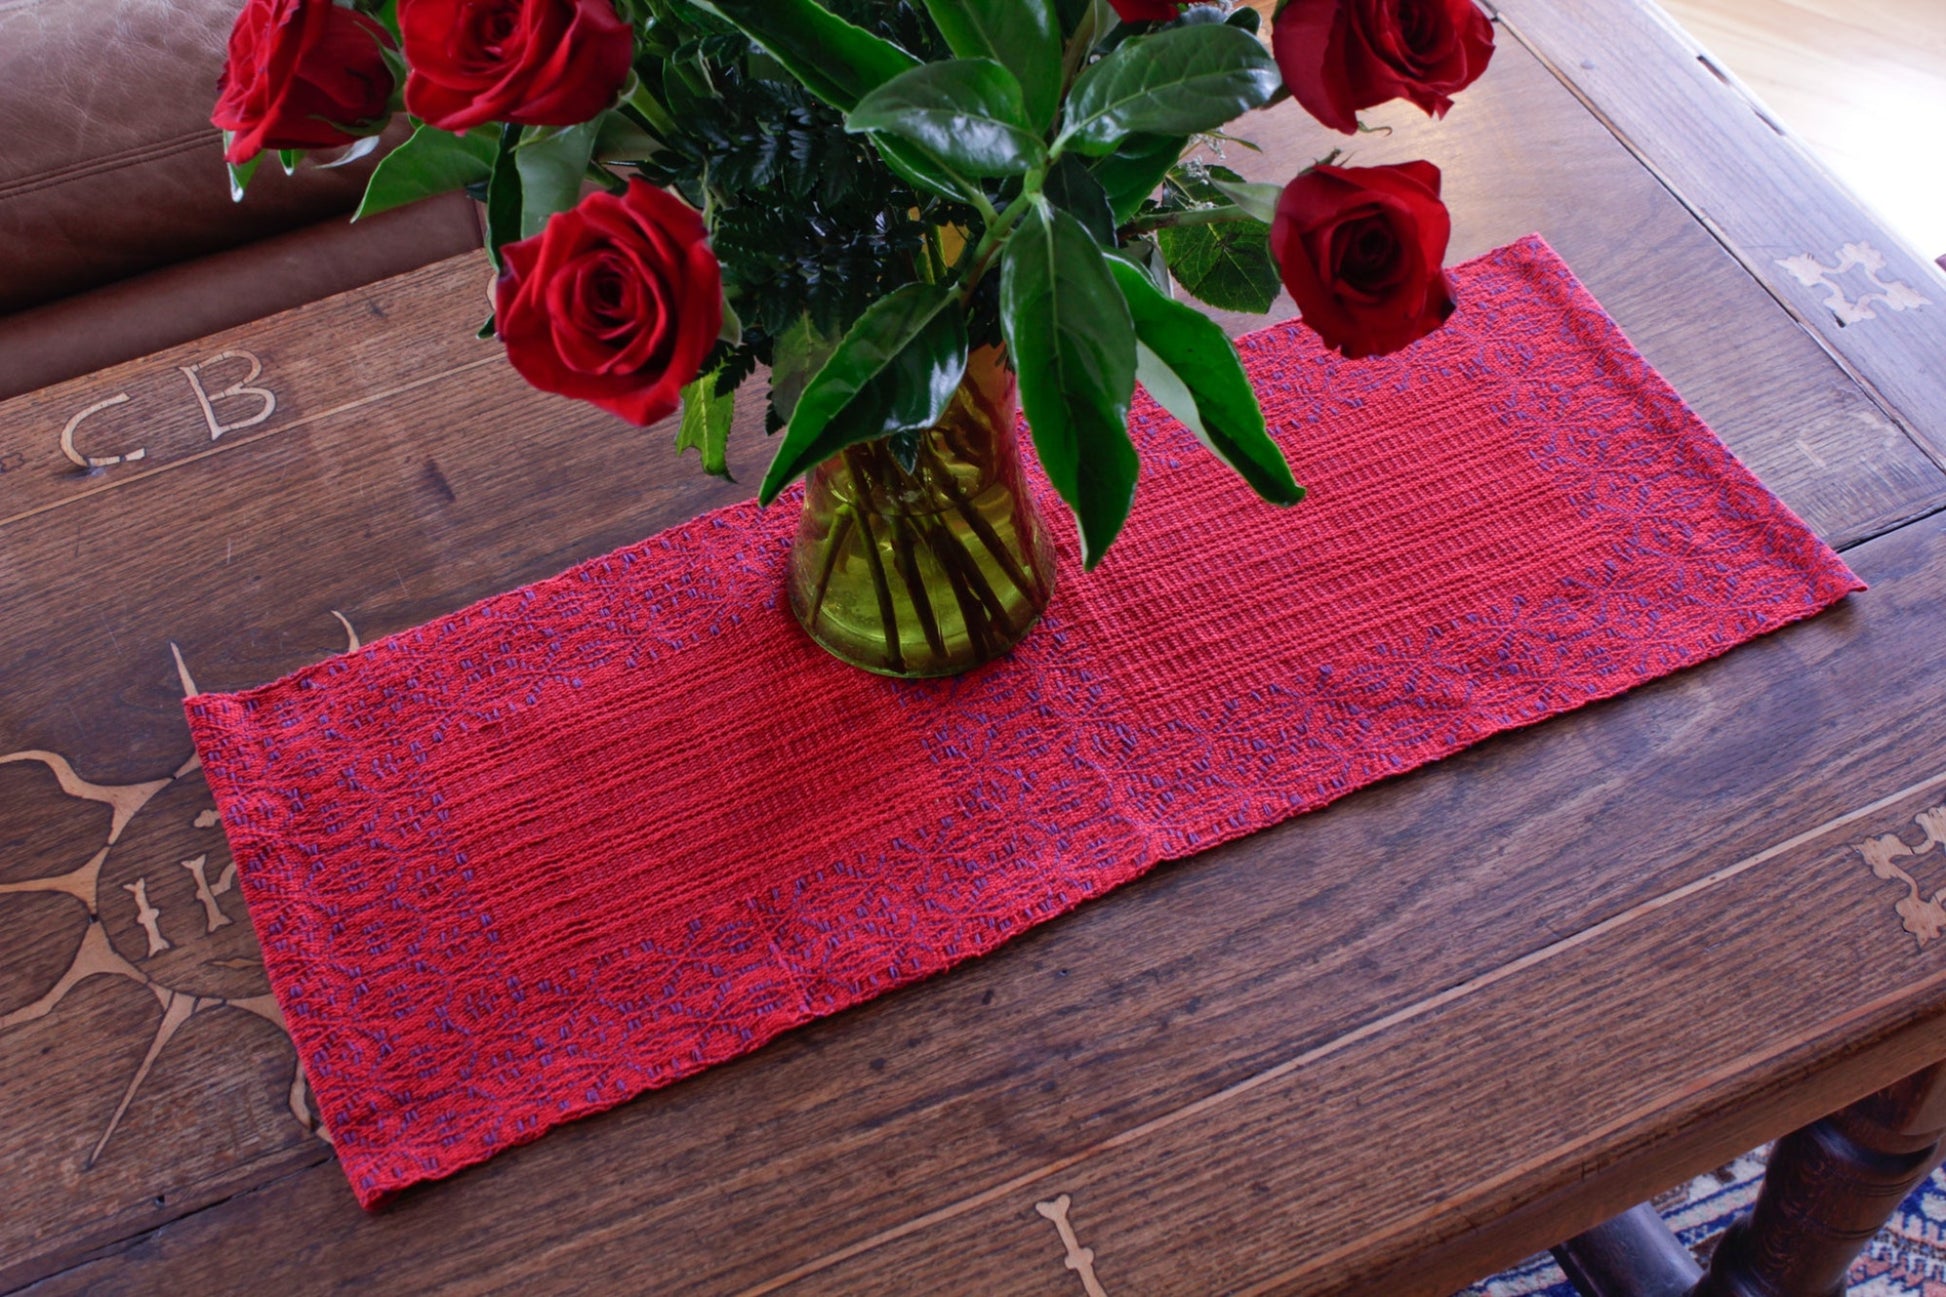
column 1861, row 82
column 1868, row 298
column 1384, row 1048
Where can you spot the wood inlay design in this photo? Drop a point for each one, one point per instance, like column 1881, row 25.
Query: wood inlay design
column 148, row 916
column 1277, row 1072
column 207, row 892
column 1079, row 1259
column 96, row 954
column 81, row 460
column 1894, row 296
column 240, row 388
column 1924, row 915
column 206, row 401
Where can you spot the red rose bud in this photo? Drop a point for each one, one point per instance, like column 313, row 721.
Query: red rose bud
column 1136, row 11
column 1361, row 249
column 1339, row 56
column 301, row 74
column 616, row 301
column 528, row 62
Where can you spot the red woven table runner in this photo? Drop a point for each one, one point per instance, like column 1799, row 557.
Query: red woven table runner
column 591, row 836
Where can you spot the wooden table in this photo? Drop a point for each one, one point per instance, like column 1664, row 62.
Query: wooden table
column 1385, row 1048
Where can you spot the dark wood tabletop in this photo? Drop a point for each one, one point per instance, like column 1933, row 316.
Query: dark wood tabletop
column 1384, row 1048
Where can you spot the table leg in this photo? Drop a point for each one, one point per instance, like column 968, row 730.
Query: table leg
column 1829, row 1188
column 1633, row 1255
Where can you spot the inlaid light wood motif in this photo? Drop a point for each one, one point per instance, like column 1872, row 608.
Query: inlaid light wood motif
column 1924, row 915
column 240, row 389
column 172, row 980
column 1079, row 1259
column 1870, row 263
column 238, row 405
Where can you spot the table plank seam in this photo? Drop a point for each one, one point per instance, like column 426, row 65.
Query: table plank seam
column 1892, row 525
column 1716, row 232
column 90, row 1253
column 252, row 439
column 1378, row 1026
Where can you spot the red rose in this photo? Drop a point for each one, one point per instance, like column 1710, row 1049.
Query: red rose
column 302, row 74
column 1339, row 56
column 616, row 301
column 1135, row 11
column 1361, row 248
column 529, row 62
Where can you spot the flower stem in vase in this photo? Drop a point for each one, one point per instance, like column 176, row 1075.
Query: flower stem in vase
column 930, row 571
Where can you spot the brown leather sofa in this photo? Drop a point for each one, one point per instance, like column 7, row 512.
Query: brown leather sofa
column 117, row 232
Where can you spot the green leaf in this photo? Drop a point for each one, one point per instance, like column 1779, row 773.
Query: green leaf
column 800, row 353
column 1192, row 371
column 640, row 100
column 923, row 172
column 287, row 159
column 357, row 151
column 1227, row 265
column 905, row 449
column 1258, row 200
column 1177, row 82
column 1136, row 169
column 431, row 162
column 705, row 426
column 1020, row 35
column 552, row 169
column 240, row 173
column 1073, row 345
column 834, row 60
column 1145, row 254
column 503, row 197
column 968, row 113
column 619, row 137
column 1073, row 188
column 895, row 371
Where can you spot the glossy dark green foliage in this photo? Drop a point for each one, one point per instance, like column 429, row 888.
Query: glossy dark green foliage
column 895, row 371
column 431, row 161
column 1228, row 265
column 1191, row 368
column 966, row 113
column 553, row 168
column 503, row 198
column 1136, row 169
column 1073, row 346
column 705, row 426
column 1178, row 81
column 1073, row 188
column 1022, row 36
column 835, row 60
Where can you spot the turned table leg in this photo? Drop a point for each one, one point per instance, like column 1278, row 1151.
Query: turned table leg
column 1829, row 1188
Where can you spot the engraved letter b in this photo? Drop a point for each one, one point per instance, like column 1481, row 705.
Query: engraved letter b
column 239, row 388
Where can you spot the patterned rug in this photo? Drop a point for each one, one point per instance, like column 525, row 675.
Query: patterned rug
column 1907, row 1259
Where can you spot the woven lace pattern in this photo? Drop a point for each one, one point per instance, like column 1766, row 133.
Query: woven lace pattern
column 588, row 837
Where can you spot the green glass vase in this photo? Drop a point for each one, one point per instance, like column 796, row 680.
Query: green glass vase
column 932, row 570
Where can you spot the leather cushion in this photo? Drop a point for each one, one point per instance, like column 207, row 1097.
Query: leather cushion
column 125, row 321
column 110, row 166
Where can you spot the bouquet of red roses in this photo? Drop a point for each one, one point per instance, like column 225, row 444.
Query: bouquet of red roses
column 864, row 196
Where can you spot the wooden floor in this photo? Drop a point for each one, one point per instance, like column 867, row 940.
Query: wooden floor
column 1862, row 83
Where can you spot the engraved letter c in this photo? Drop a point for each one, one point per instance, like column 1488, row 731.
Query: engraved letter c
column 96, row 461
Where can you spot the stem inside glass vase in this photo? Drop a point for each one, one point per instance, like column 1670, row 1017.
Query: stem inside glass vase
column 931, row 570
